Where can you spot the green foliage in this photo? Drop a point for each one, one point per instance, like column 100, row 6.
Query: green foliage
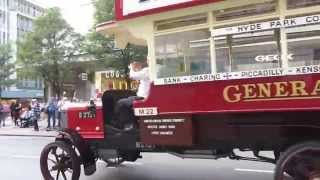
column 48, row 51
column 6, row 67
column 98, row 45
column 104, row 10
column 102, row 48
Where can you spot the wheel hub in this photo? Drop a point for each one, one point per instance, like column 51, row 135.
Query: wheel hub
column 62, row 165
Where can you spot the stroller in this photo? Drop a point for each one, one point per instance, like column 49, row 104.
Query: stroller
column 27, row 118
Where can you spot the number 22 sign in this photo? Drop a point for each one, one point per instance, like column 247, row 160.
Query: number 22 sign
column 152, row 111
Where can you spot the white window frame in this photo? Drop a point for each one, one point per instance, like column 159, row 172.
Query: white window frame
column 282, row 12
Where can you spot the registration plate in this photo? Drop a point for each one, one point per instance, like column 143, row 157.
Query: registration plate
column 87, row 115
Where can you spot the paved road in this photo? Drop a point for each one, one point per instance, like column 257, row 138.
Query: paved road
column 19, row 160
column 19, row 157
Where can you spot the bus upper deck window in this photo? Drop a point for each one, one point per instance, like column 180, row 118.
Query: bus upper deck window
column 246, row 11
column 293, row 4
column 183, row 53
column 179, row 22
column 304, row 46
column 248, row 51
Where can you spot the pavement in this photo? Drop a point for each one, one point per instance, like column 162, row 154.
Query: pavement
column 11, row 130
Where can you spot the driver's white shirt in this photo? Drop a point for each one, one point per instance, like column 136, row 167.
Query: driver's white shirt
column 143, row 77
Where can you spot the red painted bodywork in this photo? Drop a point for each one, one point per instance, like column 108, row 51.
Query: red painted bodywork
column 87, row 126
column 207, row 97
column 120, row 16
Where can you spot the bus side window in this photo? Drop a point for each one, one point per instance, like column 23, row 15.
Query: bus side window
column 183, row 53
column 303, row 46
column 248, row 51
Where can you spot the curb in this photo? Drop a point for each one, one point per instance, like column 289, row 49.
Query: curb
column 18, row 132
column 27, row 135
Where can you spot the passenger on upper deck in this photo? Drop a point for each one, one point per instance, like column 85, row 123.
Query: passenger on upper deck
column 124, row 112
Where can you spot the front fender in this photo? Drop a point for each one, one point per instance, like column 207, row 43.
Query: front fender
column 87, row 157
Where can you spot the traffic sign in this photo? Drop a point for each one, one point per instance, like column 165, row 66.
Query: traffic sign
column 83, row 76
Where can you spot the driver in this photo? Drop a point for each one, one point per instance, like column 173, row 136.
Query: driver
column 124, row 110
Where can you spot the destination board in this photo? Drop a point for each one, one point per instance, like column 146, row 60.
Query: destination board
column 240, row 75
column 135, row 8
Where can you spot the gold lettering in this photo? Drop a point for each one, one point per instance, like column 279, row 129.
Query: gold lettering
column 281, row 89
column 316, row 89
column 298, row 88
column 123, row 85
column 249, row 91
column 264, row 90
column 236, row 96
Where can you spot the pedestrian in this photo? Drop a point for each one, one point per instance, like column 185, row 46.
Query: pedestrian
column 60, row 105
column 1, row 114
column 16, row 113
column 52, row 108
column 26, row 117
column 5, row 113
column 12, row 110
column 36, row 109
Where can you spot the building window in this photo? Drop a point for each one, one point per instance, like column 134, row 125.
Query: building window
column 293, row 4
column 4, row 37
column 248, row 51
column 183, row 54
column 245, row 11
column 2, row 18
column 304, row 46
column 181, row 22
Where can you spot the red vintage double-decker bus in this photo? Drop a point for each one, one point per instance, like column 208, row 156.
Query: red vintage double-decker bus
column 226, row 75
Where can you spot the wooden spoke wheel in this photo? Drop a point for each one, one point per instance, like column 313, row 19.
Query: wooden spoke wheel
column 59, row 161
column 299, row 162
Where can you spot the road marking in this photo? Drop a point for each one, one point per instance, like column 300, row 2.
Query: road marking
column 25, row 157
column 254, row 170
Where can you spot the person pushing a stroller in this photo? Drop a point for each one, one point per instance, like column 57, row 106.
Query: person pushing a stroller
column 27, row 117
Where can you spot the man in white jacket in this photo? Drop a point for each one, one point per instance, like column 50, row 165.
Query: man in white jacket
column 124, row 111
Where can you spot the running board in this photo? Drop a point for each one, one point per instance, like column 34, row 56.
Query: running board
column 198, row 155
column 231, row 156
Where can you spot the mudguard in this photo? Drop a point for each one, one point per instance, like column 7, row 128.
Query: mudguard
column 86, row 155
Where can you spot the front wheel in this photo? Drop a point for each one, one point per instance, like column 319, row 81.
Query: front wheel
column 59, row 161
column 299, row 162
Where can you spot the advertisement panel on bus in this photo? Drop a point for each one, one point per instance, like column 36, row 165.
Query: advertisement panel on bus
column 134, row 8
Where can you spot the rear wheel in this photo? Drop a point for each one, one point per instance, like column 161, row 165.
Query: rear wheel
column 59, row 161
column 299, row 162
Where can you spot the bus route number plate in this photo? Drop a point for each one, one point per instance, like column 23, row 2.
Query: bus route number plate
column 152, row 111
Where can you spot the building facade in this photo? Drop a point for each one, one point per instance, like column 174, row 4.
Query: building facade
column 112, row 80
column 16, row 19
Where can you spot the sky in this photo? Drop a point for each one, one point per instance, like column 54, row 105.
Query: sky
column 78, row 13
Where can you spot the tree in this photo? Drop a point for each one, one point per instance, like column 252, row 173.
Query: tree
column 104, row 10
column 48, row 51
column 6, row 67
column 102, row 48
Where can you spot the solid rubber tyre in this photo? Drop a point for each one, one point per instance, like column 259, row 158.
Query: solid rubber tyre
column 289, row 153
column 76, row 170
